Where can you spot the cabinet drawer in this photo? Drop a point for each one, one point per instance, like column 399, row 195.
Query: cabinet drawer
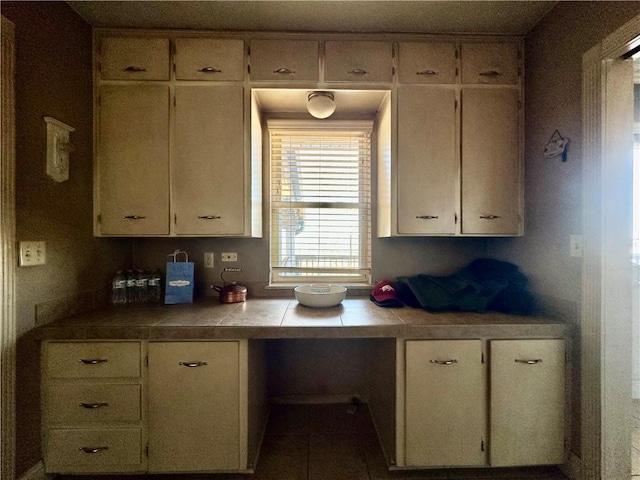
column 93, row 450
column 351, row 61
column 427, row 63
column 209, row 59
column 134, row 59
column 284, row 60
column 93, row 359
column 77, row 404
column 491, row 63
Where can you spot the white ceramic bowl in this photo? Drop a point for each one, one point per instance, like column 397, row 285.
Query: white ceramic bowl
column 320, row 295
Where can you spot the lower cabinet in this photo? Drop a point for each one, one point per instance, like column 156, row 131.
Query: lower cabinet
column 194, row 421
column 478, row 402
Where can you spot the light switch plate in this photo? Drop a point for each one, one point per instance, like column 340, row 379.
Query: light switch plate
column 32, row 253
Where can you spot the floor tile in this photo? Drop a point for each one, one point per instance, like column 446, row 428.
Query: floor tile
column 283, row 457
column 288, row 420
column 335, row 418
column 336, row 457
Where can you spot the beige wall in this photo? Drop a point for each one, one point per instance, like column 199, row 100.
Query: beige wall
column 53, row 78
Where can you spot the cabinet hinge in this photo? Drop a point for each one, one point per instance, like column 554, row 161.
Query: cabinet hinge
column 482, row 357
column 146, row 450
column 146, row 361
column 99, row 219
column 519, row 72
column 174, row 101
column 455, row 104
column 175, row 218
column 455, row 218
column 249, row 50
column 174, row 67
column 482, row 445
column 456, row 71
column 457, row 55
column 249, row 69
column 393, row 71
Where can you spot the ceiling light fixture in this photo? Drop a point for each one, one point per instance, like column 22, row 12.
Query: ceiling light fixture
column 321, row 104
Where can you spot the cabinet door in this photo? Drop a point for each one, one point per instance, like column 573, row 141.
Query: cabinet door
column 284, row 60
column 353, row 61
column 133, row 159
column 208, row 170
column 193, row 406
column 209, row 59
column 427, row 169
column 427, row 63
column 527, row 402
column 491, row 162
column 445, row 403
column 490, row 63
column 134, row 58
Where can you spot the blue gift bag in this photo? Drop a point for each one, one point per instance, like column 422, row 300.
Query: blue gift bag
column 179, row 283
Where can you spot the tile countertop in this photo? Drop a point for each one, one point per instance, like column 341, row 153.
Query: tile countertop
column 285, row 318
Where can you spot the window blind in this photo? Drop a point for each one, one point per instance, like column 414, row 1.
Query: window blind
column 320, row 202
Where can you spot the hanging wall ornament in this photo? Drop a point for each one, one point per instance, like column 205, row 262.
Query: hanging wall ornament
column 557, row 145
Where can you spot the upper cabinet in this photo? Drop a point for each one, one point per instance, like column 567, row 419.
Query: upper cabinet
column 213, row 59
column 288, row 60
column 358, row 61
column 490, row 63
column 428, row 63
column 128, row 58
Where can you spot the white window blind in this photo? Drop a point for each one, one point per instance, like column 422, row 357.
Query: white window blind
column 320, row 201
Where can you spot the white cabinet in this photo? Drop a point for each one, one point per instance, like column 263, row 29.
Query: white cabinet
column 427, row 63
column 527, row 402
column 92, row 407
column 209, row 59
column 491, row 162
column 445, row 407
column 208, row 164
column 427, row 169
column 358, row 61
column 130, row 58
column 284, row 60
column 194, row 406
column 132, row 161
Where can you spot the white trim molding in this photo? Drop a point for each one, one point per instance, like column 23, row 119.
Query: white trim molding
column 7, row 257
column 605, row 327
column 36, row 473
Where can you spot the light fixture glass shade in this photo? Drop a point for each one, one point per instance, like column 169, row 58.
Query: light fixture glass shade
column 321, row 104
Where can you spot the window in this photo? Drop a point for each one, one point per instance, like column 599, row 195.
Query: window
column 320, row 201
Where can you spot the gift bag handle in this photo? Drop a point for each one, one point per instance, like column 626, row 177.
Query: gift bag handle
column 178, row 252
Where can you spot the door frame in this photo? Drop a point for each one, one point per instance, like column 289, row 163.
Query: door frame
column 605, row 326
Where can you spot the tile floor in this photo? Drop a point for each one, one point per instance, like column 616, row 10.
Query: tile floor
column 325, row 442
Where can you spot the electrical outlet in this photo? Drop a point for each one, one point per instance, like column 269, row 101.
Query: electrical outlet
column 32, row 253
column 229, row 256
column 209, row 261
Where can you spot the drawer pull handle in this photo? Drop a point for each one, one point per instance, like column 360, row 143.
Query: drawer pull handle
column 529, row 361
column 209, row 217
column 93, row 361
column 490, row 73
column 444, row 362
column 357, row 71
column 489, row 217
column 209, row 70
column 192, row 364
column 284, row 71
column 427, row 217
column 134, row 69
column 427, row 72
column 133, row 217
column 94, row 405
column 93, row 449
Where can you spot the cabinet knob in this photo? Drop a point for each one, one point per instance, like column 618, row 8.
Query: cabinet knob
column 93, row 361
column 284, row 71
column 444, row 362
column 209, row 217
column 134, row 69
column 209, row 70
column 529, row 361
column 427, row 217
column 94, row 405
column 357, row 71
column 192, row 364
column 134, row 217
column 93, row 449
column 427, row 72
column 489, row 217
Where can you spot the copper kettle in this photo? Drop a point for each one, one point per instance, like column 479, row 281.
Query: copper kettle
column 232, row 293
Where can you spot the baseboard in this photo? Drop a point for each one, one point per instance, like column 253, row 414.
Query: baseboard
column 36, row 473
column 572, row 469
column 317, row 399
